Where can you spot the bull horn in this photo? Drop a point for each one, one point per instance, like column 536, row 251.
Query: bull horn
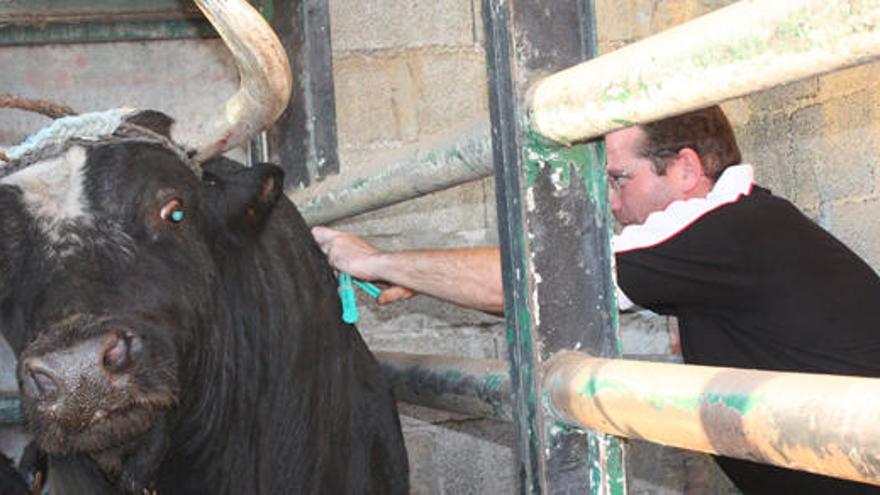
column 264, row 69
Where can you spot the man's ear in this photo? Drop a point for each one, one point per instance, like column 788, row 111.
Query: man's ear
column 687, row 170
column 243, row 196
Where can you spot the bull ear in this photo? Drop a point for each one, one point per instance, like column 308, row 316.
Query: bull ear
column 268, row 185
column 242, row 196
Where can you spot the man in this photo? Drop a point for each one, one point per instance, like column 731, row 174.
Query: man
column 753, row 282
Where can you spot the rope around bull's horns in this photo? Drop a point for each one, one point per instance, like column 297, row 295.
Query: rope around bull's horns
column 42, row 107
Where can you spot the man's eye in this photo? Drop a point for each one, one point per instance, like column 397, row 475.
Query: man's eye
column 172, row 211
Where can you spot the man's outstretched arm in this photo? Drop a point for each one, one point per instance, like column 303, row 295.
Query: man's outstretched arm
column 469, row 277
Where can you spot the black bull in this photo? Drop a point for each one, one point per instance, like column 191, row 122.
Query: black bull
column 184, row 335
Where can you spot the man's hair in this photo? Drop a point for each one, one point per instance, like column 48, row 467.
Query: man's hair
column 705, row 131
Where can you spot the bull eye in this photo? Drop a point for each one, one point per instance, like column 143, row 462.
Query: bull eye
column 172, row 211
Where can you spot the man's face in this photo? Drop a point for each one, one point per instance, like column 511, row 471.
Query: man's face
column 635, row 190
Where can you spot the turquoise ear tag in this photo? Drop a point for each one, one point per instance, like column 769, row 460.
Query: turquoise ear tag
column 177, row 216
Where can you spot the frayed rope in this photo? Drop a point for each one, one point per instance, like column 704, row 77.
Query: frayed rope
column 88, row 126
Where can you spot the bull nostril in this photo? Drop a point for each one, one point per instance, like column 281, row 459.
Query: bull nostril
column 38, row 383
column 120, row 354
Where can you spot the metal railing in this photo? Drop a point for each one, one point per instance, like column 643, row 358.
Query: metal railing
column 824, row 424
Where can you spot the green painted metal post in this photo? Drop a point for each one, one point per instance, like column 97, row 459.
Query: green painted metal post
column 34, row 22
column 554, row 228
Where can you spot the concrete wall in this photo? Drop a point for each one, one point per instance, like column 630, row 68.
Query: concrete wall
column 189, row 80
column 405, row 70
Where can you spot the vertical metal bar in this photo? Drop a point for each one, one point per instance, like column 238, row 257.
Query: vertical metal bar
column 304, row 139
column 554, row 228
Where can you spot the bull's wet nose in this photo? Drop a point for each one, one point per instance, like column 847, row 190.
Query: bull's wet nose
column 121, row 352
column 94, row 363
column 38, row 381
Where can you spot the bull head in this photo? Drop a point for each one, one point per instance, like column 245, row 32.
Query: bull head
column 78, row 195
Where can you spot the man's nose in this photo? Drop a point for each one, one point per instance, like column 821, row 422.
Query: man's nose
column 614, row 198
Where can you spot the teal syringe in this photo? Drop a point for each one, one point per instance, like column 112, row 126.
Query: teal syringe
column 350, row 313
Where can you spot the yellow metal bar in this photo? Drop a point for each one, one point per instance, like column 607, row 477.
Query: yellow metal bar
column 824, row 424
column 740, row 49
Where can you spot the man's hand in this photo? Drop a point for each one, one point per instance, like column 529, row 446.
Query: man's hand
column 350, row 254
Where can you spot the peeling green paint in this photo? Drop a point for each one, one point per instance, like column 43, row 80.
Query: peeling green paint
column 617, row 93
column 452, row 155
column 493, row 382
column 736, row 50
column 593, row 459
column 487, row 389
column 794, row 29
column 358, row 184
column 595, row 387
column 742, row 403
column 565, row 162
column 453, row 376
column 97, row 31
column 539, row 153
column 266, row 7
column 607, row 464
column 615, row 465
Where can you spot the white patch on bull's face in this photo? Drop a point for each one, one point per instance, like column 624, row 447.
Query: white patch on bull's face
column 53, row 191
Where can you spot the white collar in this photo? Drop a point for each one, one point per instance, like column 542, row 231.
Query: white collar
column 735, row 182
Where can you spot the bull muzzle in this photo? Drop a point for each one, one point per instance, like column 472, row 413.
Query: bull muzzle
column 100, row 363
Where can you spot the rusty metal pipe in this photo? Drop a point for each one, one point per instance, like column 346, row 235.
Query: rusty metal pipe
column 740, row 49
column 479, row 387
column 460, row 155
column 824, row 424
